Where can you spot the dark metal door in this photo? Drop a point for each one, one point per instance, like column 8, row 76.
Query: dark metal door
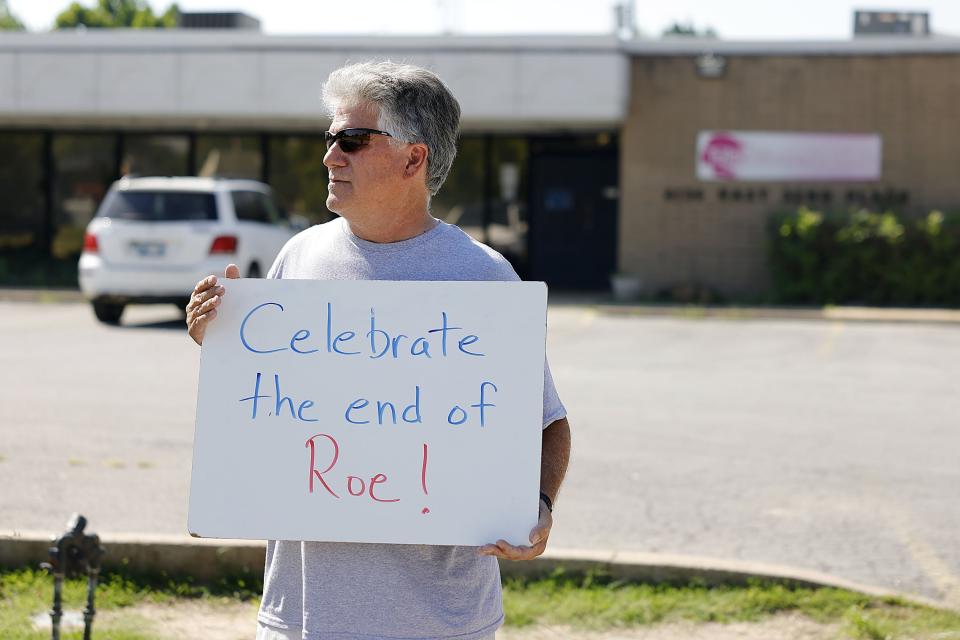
column 573, row 222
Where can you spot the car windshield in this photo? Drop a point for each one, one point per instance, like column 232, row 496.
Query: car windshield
column 159, row 206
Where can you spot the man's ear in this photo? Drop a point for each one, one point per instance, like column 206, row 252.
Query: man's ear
column 416, row 159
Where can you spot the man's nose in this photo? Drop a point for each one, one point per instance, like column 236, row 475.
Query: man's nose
column 334, row 157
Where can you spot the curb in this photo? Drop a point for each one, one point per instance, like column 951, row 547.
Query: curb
column 207, row 559
column 43, row 296
column 825, row 314
column 604, row 305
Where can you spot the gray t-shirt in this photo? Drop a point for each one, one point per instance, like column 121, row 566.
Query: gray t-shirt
column 352, row 591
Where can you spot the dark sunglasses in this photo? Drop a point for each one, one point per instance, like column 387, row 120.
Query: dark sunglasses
column 351, row 139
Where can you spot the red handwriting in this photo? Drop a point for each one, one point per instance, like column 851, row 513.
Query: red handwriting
column 423, row 477
column 356, row 486
column 313, row 468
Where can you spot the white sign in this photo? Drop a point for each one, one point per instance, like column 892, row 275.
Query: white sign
column 774, row 155
column 372, row 411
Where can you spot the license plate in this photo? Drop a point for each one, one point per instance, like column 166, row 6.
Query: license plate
column 148, row 249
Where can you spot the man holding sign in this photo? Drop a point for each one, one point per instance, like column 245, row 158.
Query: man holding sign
column 390, row 146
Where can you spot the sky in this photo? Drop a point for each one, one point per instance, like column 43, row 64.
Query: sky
column 732, row 19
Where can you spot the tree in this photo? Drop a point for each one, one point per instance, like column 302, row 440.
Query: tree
column 686, row 29
column 8, row 21
column 112, row 14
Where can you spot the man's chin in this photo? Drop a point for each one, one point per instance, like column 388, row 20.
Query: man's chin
column 334, row 205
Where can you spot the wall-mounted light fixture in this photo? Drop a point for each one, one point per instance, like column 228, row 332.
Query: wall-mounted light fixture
column 711, row 65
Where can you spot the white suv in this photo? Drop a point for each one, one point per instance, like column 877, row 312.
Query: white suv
column 153, row 239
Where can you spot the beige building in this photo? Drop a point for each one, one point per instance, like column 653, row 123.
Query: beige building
column 679, row 232
column 579, row 156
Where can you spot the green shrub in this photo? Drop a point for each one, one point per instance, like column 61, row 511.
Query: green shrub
column 865, row 257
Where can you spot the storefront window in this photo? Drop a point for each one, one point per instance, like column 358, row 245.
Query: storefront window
column 299, row 177
column 21, row 185
column 154, row 155
column 229, row 157
column 83, row 169
column 460, row 200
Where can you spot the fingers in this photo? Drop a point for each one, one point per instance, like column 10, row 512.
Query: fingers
column 202, row 308
column 538, row 541
column 198, row 299
column 232, row 271
column 197, row 323
column 205, row 302
column 206, row 283
column 507, row 551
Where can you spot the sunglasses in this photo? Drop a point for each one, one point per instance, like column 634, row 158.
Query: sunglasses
column 351, row 139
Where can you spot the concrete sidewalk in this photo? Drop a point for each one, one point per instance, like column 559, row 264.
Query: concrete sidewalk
column 604, row 303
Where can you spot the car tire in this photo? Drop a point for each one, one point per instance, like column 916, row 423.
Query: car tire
column 254, row 271
column 107, row 312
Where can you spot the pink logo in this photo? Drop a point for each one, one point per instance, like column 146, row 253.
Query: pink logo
column 722, row 153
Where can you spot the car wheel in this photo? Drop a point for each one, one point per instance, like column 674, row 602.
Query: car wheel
column 107, row 312
column 254, row 271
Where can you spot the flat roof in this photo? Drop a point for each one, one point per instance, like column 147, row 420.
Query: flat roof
column 859, row 46
column 220, row 39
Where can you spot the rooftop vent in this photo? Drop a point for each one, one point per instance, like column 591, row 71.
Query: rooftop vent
column 218, row 20
column 907, row 23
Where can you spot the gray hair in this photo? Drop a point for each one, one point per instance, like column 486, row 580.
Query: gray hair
column 415, row 106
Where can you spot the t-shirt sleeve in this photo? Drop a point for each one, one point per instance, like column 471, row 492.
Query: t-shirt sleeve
column 553, row 409
column 276, row 270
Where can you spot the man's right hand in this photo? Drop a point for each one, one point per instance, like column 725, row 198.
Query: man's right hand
column 204, row 301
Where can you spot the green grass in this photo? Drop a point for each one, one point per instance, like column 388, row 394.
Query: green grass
column 595, row 601
column 591, row 601
column 27, row 592
column 894, row 623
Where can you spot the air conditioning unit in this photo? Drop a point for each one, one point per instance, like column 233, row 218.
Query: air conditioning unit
column 907, row 23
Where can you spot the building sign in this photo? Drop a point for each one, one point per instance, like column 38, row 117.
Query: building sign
column 781, row 156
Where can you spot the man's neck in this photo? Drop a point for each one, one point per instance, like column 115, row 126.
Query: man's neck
column 404, row 227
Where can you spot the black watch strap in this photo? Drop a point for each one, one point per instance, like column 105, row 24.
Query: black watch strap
column 547, row 501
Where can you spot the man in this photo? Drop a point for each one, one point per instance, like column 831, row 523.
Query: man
column 389, row 148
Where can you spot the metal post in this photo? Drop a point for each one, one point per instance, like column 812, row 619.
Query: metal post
column 94, row 555
column 57, row 612
column 72, row 553
column 89, row 612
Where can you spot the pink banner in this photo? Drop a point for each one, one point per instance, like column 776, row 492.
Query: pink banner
column 788, row 156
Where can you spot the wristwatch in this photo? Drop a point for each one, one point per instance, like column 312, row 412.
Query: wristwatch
column 547, row 501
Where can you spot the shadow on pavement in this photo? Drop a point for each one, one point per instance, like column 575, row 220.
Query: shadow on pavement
column 175, row 323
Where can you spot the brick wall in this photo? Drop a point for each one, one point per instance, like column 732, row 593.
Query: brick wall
column 671, row 238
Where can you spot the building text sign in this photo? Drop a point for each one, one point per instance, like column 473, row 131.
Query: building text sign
column 397, row 412
column 788, row 156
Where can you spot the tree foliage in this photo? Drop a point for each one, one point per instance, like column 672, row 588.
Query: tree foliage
column 8, row 21
column 686, row 29
column 112, row 14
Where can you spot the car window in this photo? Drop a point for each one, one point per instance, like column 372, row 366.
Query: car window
column 159, row 206
column 249, row 207
column 274, row 213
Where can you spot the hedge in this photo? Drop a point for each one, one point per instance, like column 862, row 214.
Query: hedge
column 865, row 257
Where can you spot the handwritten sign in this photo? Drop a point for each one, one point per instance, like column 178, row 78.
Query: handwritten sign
column 372, row 411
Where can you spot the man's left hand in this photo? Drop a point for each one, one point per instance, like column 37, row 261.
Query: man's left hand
column 538, row 541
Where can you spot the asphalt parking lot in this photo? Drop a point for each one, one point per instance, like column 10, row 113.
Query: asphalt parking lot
column 832, row 446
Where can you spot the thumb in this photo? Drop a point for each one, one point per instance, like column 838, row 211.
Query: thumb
column 232, row 271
